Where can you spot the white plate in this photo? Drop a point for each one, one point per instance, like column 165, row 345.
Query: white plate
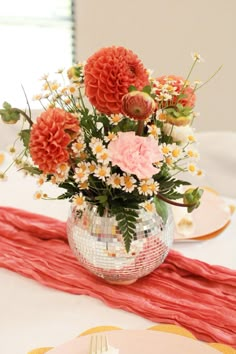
column 208, row 219
column 139, row 342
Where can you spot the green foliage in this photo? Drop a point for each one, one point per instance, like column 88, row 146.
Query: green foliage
column 192, row 198
column 8, row 114
column 161, row 208
column 126, row 219
column 25, row 137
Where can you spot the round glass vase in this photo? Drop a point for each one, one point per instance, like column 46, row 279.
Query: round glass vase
column 98, row 244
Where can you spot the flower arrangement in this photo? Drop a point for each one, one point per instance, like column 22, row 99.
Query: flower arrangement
column 113, row 136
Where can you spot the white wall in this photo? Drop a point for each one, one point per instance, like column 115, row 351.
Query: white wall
column 164, row 33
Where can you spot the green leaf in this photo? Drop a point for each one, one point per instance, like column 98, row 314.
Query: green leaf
column 147, row 89
column 25, row 137
column 179, row 106
column 101, row 199
column 126, row 219
column 132, row 88
column 161, row 208
column 8, row 114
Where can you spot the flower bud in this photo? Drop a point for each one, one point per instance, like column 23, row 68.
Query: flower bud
column 8, row 114
column 178, row 121
column 138, row 105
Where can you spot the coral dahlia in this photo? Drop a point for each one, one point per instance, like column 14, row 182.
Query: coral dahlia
column 108, row 75
column 173, row 85
column 50, row 136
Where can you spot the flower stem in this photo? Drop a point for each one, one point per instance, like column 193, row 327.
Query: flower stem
column 140, row 127
column 211, row 77
column 24, row 115
column 169, row 201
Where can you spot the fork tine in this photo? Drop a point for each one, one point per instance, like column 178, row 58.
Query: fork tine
column 98, row 344
column 91, row 345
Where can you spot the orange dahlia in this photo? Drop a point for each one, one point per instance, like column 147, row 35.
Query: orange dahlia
column 108, row 75
column 174, row 86
column 50, row 136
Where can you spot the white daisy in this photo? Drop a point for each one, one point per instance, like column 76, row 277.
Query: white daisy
column 102, row 172
column 116, row 180
column 79, row 201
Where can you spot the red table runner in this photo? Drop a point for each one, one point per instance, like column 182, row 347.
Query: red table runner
column 183, row 291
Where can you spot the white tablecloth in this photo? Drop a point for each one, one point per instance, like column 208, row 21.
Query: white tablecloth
column 32, row 315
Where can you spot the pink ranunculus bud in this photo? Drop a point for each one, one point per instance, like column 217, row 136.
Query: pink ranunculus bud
column 138, row 105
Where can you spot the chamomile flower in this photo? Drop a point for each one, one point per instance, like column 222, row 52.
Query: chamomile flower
column 191, row 138
column 129, row 183
column 110, row 136
column 96, row 145
column 42, row 179
column 149, row 206
column 192, row 153
column 79, row 201
column 62, row 172
column 84, row 185
column 148, row 187
column 103, row 157
column 197, row 57
column 165, row 149
column 80, row 175
column 143, row 188
column 153, row 130
column 192, row 168
column 116, row 180
column 176, row 152
column 37, row 97
column 38, row 195
column 102, row 172
column 115, row 118
column 92, row 167
column 200, row 173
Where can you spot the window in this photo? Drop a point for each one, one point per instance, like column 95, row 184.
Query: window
column 37, row 37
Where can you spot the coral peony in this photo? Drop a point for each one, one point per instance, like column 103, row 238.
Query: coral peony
column 173, row 85
column 108, row 75
column 138, row 105
column 135, row 154
column 50, row 136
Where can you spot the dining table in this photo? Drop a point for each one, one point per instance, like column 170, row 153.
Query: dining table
column 34, row 315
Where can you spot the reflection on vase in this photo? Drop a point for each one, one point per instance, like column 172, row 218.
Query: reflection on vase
column 98, row 244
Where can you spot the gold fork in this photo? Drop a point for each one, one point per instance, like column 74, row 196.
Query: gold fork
column 98, row 344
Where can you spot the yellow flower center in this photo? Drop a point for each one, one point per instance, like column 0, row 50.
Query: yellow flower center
column 165, row 149
column 144, row 188
column 98, row 149
column 175, row 152
column 117, row 181
column 92, row 168
column 192, row 168
column 79, row 146
column 79, row 200
column 128, row 182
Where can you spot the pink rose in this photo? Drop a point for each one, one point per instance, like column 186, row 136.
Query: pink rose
column 135, row 154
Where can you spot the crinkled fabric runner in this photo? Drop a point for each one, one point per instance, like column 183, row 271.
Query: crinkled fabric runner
column 183, row 291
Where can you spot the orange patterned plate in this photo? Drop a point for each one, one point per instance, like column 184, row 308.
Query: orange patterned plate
column 170, row 338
